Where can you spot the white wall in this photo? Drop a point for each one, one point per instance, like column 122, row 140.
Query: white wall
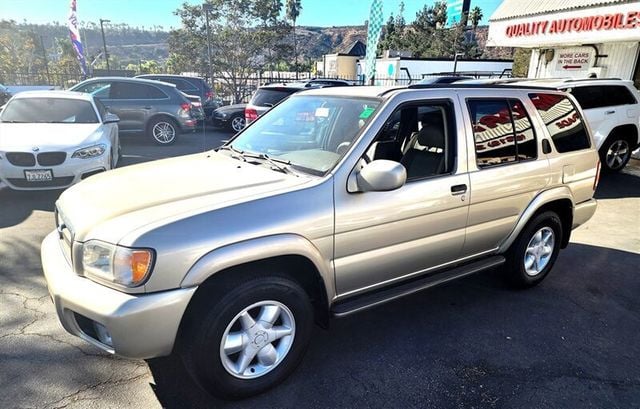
column 620, row 62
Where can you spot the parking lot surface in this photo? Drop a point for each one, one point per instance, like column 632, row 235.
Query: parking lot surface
column 573, row 341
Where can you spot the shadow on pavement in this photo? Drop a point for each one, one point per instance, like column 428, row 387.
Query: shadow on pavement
column 618, row 185
column 16, row 206
column 570, row 342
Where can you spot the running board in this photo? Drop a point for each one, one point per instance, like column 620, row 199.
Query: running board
column 367, row 300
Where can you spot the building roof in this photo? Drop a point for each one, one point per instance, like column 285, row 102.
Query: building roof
column 510, row 9
column 356, row 49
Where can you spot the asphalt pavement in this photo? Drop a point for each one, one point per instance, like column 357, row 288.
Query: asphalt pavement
column 572, row 342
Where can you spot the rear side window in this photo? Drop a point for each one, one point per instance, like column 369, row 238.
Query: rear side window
column 601, row 96
column 563, row 121
column 270, row 96
column 502, row 131
column 121, row 90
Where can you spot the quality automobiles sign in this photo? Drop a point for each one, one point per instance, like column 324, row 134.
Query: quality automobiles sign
column 589, row 25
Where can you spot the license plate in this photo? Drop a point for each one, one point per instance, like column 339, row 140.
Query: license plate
column 40, row 175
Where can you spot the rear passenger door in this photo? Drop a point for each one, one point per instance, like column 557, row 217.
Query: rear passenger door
column 506, row 168
column 133, row 103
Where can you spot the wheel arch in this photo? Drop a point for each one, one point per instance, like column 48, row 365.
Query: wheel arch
column 157, row 115
column 558, row 200
column 288, row 255
column 628, row 131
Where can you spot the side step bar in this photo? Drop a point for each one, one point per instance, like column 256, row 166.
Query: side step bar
column 367, row 300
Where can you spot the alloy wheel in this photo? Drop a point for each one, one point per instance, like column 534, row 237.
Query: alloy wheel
column 164, row 132
column 539, row 251
column 618, row 154
column 238, row 123
column 257, row 339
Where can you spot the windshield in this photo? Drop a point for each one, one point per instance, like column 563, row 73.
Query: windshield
column 49, row 110
column 309, row 131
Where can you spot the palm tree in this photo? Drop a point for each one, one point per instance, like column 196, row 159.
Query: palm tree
column 294, row 7
column 475, row 16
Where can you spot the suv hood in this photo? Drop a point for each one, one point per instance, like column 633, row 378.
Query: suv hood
column 110, row 205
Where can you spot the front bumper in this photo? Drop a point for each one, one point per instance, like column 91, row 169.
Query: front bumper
column 70, row 172
column 141, row 326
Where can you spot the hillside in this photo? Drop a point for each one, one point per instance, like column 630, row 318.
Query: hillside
column 132, row 44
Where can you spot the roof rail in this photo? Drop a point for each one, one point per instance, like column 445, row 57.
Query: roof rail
column 501, row 85
column 592, row 79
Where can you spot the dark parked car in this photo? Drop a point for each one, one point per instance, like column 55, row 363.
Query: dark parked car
column 444, row 79
column 191, row 86
column 5, row 95
column 326, row 82
column 230, row 116
column 157, row 108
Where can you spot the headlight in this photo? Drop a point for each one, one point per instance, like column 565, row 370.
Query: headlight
column 89, row 152
column 121, row 265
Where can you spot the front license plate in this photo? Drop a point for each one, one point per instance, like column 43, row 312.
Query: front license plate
column 40, row 175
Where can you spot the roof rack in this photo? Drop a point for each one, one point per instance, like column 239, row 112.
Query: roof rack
column 477, row 86
column 592, row 79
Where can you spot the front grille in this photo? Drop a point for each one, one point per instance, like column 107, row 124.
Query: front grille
column 51, row 158
column 56, row 182
column 65, row 234
column 21, row 158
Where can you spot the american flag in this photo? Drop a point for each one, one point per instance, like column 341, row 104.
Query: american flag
column 75, row 38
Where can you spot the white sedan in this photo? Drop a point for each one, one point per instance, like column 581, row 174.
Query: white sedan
column 53, row 139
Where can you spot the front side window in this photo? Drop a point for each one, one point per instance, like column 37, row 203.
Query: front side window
column 563, row 121
column 502, row 131
column 309, row 132
column 421, row 137
column 49, row 110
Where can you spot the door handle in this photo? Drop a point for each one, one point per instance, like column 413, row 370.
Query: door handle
column 147, row 107
column 458, row 189
column 609, row 112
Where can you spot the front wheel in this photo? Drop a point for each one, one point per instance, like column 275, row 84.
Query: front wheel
column 163, row 131
column 615, row 154
column 250, row 338
column 535, row 251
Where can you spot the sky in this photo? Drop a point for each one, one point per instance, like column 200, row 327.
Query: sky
column 160, row 12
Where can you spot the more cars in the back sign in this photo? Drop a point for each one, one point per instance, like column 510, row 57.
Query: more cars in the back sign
column 53, row 139
column 156, row 108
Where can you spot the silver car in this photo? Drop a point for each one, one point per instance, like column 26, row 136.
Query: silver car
column 335, row 201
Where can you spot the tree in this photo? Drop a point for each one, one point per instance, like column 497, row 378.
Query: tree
column 475, row 16
column 240, row 32
column 294, row 7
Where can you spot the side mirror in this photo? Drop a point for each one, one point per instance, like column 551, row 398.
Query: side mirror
column 110, row 118
column 381, row 175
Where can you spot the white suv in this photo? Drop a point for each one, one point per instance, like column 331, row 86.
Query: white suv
column 612, row 110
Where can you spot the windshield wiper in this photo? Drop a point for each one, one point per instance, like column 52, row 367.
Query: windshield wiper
column 235, row 153
column 275, row 163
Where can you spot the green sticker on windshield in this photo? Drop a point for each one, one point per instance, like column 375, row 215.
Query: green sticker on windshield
column 366, row 113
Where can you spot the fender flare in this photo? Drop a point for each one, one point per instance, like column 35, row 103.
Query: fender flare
column 545, row 197
column 259, row 249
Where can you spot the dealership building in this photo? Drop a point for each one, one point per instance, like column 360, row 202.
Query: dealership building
column 572, row 38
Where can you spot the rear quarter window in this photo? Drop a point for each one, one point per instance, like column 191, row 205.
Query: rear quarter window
column 270, row 97
column 563, row 121
column 602, row 96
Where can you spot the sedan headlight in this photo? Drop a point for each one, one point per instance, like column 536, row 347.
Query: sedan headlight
column 121, row 265
column 89, row 151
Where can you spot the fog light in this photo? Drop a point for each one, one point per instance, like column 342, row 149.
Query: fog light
column 103, row 334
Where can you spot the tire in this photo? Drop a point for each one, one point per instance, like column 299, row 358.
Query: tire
column 535, row 251
column 237, row 123
column 615, row 153
column 163, row 130
column 213, row 318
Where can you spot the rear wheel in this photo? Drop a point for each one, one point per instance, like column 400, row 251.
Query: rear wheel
column 163, row 131
column 535, row 251
column 615, row 154
column 249, row 337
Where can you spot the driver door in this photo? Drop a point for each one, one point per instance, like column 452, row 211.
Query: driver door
column 381, row 237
